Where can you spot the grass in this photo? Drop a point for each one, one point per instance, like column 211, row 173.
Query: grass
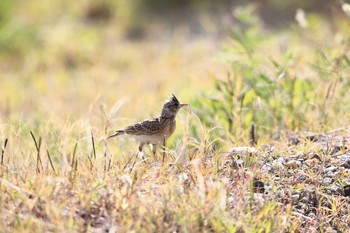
column 69, row 80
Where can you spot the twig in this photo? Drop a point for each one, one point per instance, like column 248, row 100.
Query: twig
column 252, row 136
column 302, row 215
column 163, row 149
column 74, row 171
column 36, row 144
column 109, row 163
column 338, row 130
column 136, row 164
column 93, row 144
column 91, row 165
column 73, row 156
column 105, row 161
column 38, row 158
column 76, row 166
column 3, row 151
column 133, row 165
column 16, row 188
column 48, row 155
column 105, row 155
column 128, row 162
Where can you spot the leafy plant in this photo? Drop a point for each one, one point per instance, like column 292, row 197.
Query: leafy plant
column 276, row 92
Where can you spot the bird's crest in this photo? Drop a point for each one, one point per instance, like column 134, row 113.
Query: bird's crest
column 173, row 99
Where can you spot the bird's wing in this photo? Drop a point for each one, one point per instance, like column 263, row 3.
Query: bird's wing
column 146, row 127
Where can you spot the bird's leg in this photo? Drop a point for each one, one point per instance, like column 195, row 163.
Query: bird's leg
column 163, row 149
column 140, row 149
column 154, row 150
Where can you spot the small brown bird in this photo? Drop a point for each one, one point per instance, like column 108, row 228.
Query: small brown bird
column 157, row 130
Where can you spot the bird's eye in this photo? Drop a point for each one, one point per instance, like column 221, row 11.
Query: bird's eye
column 176, row 104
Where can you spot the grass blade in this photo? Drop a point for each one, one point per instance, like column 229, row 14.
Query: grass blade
column 93, row 145
column 38, row 158
column 3, row 151
column 48, row 155
column 74, row 152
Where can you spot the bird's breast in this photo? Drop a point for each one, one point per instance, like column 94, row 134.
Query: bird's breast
column 169, row 129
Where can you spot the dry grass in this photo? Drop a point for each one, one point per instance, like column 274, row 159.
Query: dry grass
column 68, row 80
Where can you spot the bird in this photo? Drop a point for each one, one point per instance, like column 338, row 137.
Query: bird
column 157, row 130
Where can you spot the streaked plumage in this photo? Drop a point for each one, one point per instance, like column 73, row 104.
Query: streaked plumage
column 155, row 131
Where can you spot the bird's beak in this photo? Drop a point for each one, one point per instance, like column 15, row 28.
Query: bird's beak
column 183, row 105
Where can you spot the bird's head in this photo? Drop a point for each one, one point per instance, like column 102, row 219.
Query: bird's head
column 171, row 107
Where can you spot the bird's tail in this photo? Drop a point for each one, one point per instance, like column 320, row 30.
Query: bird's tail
column 118, row 132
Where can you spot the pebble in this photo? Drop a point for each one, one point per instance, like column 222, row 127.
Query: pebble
column 332, row 174
column 294, row 192
column 295, row 198
column 291, row 164
column 239, row 162
column 311, row 162
column 258, row 186
column 304, row 199
column 330, row 230
column 281, row 160
column 330, row 169
column 312, row 215
column 346, row 164
column 345, row 157
column 327, row 181
column 268, row 188
column 301, row 178
column 336, row 189
column 302, row 208
column 346, row 190
column 266, row 167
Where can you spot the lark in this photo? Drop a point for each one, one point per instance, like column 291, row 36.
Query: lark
column 155, row 131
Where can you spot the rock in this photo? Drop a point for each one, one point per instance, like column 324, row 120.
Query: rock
column 302, row 208
column 293, row 140
column 335, row 150
column 295, row 198
column 330, row 169
column 311, row 162
column 291, row 164
column 266, row 167
column 346, row 164
column 281, row 160
column 332, row 174
column 345, row 157
column 336, row 189
column 330, row 230
column 239, row 162
column 301, row 178
column 338, row 148
column 258, row 186
column 312, row 215
column 315, row 156
column 296, row 192
column 244, row 150
column 346, row 190
column 268, row 188
column 313, row 137
column 305, row 199
column 327, row 181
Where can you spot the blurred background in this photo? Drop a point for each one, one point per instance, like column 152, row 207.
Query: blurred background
column 72, row 72
column 63, row 59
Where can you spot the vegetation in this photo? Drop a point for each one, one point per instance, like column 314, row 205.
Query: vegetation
column 67, row 68
column 272, row 76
